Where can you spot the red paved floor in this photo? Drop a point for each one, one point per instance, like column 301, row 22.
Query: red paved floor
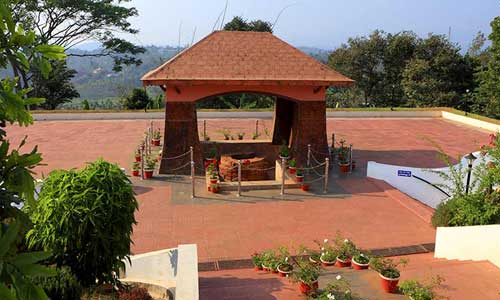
column 464, row 280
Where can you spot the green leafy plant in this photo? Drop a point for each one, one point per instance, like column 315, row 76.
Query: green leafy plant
column 85, row 218
column 212, row 152
column 136, row 166
column 344, row 248
column 361, row 258
column 62, row 286
column 257, row 259
column 343, row 152
column 240, row 135
column 305, row 271
column 284, row 150
column 338, row 289
column 150, row 163
column 270, row 259
column 292, row 163
column 422, row 290
column 226, row 133
column 387, row 267
column 327, row 250
column 157, row 134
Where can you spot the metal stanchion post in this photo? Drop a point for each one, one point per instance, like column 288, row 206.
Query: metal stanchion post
column 327, row 166
column 192, row 180
column 142, row 163
column 256, row 128
column 308, row 155
column 283, row 166
column 239, row 178
column 191, row 152
column 350, row 158
column 204, row 130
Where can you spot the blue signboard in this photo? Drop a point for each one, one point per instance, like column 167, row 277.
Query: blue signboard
column 404, row 173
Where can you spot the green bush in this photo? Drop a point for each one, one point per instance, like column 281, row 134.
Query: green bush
column 63, row 286
column 85, row 219
column 138, row 99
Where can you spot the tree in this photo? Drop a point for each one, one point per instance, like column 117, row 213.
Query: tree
column 240, row 24
column 138, row 99
column 20, row 53
column 56, row 88
column 68, row 23
column 488, row 92
column 87, row 225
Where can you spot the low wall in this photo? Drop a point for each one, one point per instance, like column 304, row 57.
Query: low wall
column 469, row 243
column 470, row 121
column 175, row 269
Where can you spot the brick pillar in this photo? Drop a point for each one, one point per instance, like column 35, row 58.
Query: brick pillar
column 181, row 132
column 309, row 127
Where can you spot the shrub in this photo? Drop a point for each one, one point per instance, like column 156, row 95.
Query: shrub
column 421, row 291
column 63, row 286
column 387, row 266
column 135, row 293
column 85, row 219
column 138, row 99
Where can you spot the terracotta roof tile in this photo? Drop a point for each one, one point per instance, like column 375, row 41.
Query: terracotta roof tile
column 244, row 56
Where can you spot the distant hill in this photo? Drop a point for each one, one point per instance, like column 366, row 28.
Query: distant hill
column 96, row 80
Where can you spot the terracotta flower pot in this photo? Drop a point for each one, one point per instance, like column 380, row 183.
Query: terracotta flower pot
column 292, row 170
column 214, row 190
column 343, row 263
column 213, row 181
column 148, row 174
column 344, row 168
column 240, row 138
column 257, row 268
column 265, row 268
column 308, row 289
column 156, row 142
column 284, row 273
column 299, row 178
column 326, row 263
column 313, row 261
column 137, row 158
column 135, row 172
column 389, row 285
column 359, row 266
column 305, row 187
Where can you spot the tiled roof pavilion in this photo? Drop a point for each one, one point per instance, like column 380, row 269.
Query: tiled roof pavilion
column 227, row 62
column 237, row 57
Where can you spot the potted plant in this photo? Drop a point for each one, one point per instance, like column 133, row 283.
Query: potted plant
column 299, row 176
column 328, row 253
column 338, row 289
column 284, row 151
column 214, row 188
column 306, row 274
column 212, row 155
column 416, row 290
column 137, row 155
column 345, row 250
column 240, row 135
column 285, row 268
column 343, row 156
column 270, row 261
column 136, row 167
column 214, row 178
column 314, row 256
column 360, row 261
column 388, row 272
column 149, row 167
column 156, row 138
column 292, row 166
column 257, row 261
column 304, row 186
column 226, row 133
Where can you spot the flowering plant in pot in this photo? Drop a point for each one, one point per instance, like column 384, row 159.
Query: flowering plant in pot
column 270, row 261
column 416, row 290
column 388, row 272
column 345, row 250
column 360, row 261
column 306, row 274
column 292, row 166
column 214, row 188
column 240, row 135
column 338, row 289
column 299, row 176
column 226, row 133
column 328, row 253
column 284, row 266
column 149, row 167
column 212, row 155
column 137, row 155
column 136, row 167
column 214, row 177
column 343, row 156
column 257, row 261
column 156, row 138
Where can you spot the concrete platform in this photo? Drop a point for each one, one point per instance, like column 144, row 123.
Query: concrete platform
column 258, row 185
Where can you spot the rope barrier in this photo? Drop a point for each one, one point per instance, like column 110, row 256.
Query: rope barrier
column 175, row 157
column 181, row 167
column 321, row 153
column 257, row 169
column 314, row 180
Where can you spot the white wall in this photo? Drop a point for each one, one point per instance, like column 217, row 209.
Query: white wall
column 413, row 187
column 470, row 121
column 469, row 243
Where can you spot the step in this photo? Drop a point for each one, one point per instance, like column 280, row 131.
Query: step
column 257, row 185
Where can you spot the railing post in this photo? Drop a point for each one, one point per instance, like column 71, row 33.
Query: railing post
column 191, row 152
column 204, row 130
column 239, row 178
column 350, row 158
column 327, row 167
column 308, row 155
column 283, row 166
column 192, row 180
column 333, row 140
column 256, row 127
column 142, row 162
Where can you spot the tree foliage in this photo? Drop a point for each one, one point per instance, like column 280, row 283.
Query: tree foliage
column 138, row 99
column 240, row 24
column 56, row 88
column 85, row 219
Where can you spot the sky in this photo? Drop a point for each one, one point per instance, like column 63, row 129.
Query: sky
column 323, row 24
